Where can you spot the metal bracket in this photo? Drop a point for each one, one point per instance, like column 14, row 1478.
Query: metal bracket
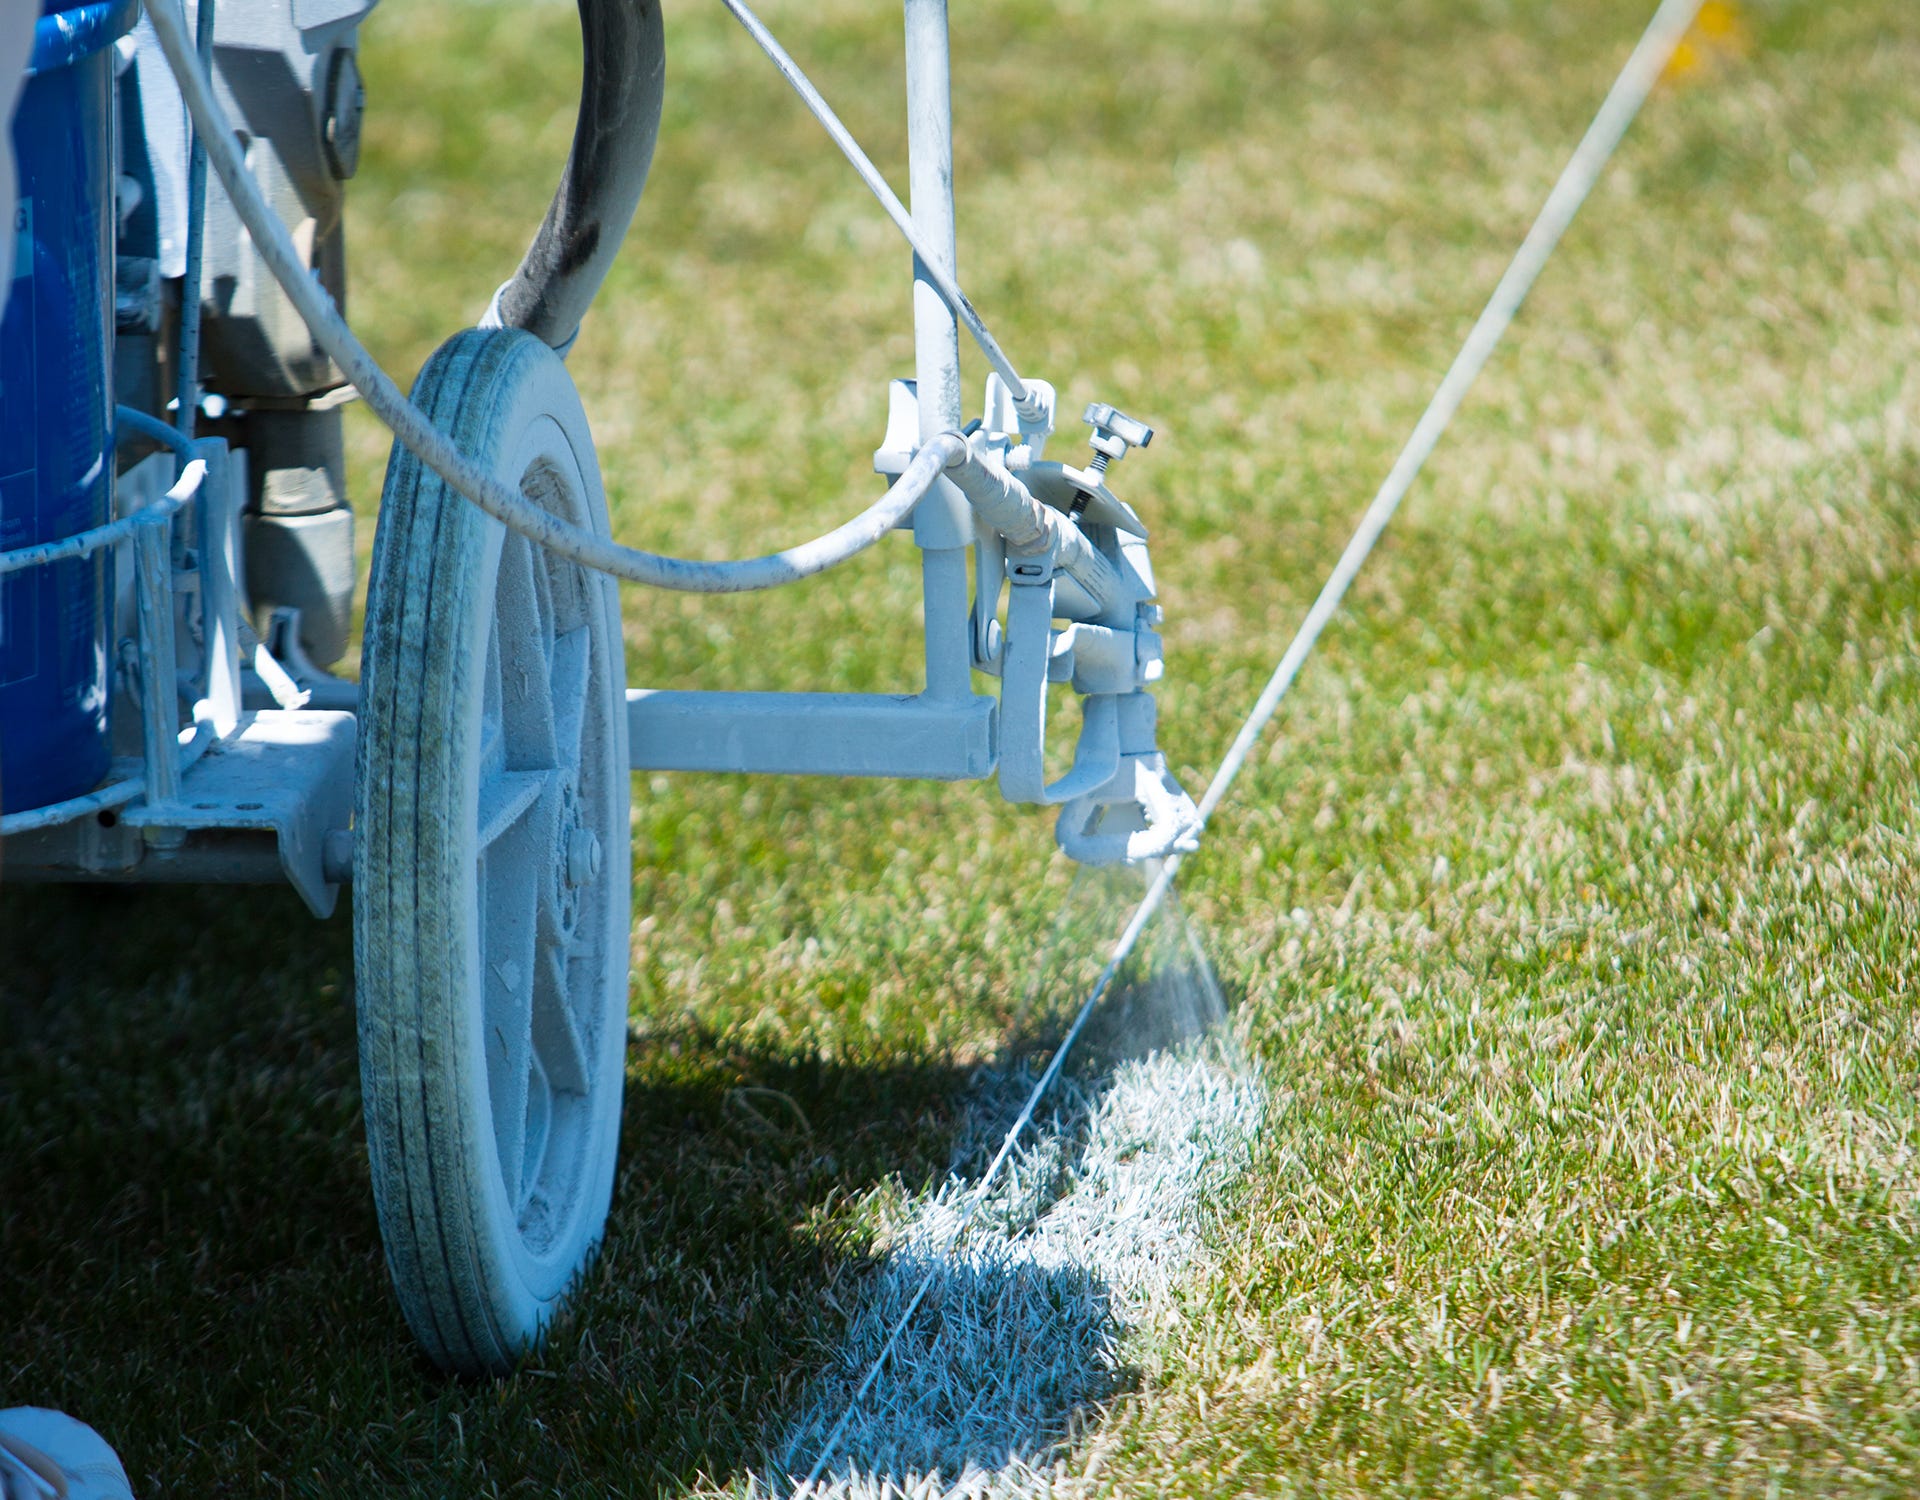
column 812, row 734
column 289, row 774
column 1033, row 657
column 1022, row 439
column 1082, row 494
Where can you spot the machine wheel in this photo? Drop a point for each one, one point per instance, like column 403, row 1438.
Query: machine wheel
column 491, row 888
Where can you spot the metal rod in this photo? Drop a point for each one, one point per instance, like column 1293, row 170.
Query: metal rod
column 187, row 376
column 936, row 331
column 159, row 689
column 86, row 543
column 1629, row 92
column 812, row 734
column 889, row 200
column 219, row 596
column 943, row 584
column 942, row 522
column 114, row 794
column 134, row 419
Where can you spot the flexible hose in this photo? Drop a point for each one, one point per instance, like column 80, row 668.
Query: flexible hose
column 1032, row 529
column 622, row 79
column 412, row 427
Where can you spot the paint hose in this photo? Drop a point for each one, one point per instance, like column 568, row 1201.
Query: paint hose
column 412, row 427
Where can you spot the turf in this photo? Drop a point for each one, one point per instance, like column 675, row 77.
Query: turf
column 1568, row 917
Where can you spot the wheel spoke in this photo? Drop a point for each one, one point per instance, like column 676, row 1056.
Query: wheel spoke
column 505, row 797
column 541, row 576
column 493, row 740
column 523, row 612
column 557, row 1041
column 571, row 592
column 534, row 1138
column 508, row 955
column 570, row 684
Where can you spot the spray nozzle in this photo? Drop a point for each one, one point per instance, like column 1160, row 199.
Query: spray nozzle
column 1119, row 803
column 1141, row 814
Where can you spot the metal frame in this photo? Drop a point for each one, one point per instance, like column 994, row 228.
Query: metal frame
column 233, row 795
column 265, row 794
column 946, row 732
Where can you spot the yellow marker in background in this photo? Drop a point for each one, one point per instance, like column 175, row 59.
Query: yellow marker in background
column 1719, row 36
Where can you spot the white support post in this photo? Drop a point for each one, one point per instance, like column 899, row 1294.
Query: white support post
column 942, row 522
column 159, row 686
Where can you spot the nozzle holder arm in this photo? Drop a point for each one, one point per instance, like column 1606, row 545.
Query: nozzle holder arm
column 1032, row 652
column 1119, row 802
column 1034, row 533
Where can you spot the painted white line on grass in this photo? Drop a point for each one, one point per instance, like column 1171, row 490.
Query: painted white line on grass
column 1021, row 1335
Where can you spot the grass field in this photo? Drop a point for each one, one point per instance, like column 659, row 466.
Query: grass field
column 1568, row 919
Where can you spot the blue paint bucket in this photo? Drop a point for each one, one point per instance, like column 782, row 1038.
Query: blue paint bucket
column 56, row 409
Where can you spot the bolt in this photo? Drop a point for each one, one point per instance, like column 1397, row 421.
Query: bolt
column 987, row 645
column 583, row 856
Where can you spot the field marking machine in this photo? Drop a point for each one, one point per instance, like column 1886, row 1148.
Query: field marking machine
column 177, row 574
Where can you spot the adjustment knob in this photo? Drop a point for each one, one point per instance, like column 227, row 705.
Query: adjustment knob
column 1114, row 432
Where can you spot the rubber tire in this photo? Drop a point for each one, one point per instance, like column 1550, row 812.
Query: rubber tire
column 480, row 1276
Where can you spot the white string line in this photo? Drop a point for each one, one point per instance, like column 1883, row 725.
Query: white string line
column 1664, row 32
column 936, row 266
